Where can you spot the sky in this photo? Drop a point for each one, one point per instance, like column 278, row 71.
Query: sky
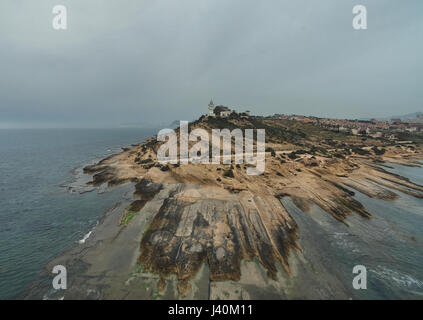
column 147, row 62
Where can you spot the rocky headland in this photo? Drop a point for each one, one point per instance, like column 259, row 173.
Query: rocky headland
column 212, row 231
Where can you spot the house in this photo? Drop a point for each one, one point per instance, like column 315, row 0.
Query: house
column 245, row 114
column 377, row 134
column 222, row 111
column 218, row 111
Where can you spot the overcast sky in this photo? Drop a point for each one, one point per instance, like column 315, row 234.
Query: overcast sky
column 150, row 61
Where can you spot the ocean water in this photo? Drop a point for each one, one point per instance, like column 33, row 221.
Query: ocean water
column 389, row 245
column 39, row 217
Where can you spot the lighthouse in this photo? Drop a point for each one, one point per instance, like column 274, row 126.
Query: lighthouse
column 211, row 108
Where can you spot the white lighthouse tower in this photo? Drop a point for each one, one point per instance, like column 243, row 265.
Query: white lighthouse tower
column 211, row 108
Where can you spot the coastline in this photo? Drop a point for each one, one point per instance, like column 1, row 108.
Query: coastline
column 77, row 185
column 105, row 266
column 195, row 237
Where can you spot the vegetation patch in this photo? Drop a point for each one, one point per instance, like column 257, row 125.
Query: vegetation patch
column 131, row 211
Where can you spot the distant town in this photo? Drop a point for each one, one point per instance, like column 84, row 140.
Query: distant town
column 374, row 128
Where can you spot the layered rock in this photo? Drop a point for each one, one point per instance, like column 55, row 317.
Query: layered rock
column 220, row 219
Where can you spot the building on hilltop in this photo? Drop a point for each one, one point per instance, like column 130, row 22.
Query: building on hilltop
column 222, row 111
column 245, row 114
column 211, row 109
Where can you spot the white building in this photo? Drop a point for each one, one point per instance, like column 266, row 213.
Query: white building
column 211, row 108
column 222, row 111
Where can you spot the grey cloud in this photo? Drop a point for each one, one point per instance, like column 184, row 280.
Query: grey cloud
column 156, row 61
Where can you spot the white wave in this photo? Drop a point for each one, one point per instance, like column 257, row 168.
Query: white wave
column 82, row 241
column 85, row 238
column 399, row 278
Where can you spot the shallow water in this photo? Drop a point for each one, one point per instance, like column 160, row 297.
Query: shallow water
column 389, row 245
column 39, row 218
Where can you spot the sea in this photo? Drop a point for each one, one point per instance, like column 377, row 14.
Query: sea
column 387, row 249
column 41, row 215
